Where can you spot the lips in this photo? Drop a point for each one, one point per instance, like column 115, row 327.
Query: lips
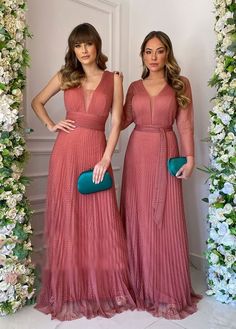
column 85, row 57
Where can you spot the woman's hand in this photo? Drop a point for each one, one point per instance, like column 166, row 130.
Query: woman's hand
column 186, row 170
column 99, row 170
column 120, row 74
column 64, row 125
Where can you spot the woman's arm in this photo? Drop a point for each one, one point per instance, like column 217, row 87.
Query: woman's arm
column 101, row 167
column 51, row 89
column 127, row 115
column 184, row 123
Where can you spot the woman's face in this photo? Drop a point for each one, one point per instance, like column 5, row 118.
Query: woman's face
column 86, row 52
column 155, row 55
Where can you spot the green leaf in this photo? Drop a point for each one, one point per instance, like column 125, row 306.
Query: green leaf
column 219, row 205
column 20, row 252
column 5, row 134
column 232, row 47
column 233, row 230
column 232, row 7
column 214, row 80
column 230, row 21
column 2, row 86
column 6, row 307
column 19, row 232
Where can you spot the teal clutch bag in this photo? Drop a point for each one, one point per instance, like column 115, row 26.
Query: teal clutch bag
column 174, row 164
column 86, row 186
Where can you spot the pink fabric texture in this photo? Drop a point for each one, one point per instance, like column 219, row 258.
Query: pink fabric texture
column 86, row 269
column 152, row 204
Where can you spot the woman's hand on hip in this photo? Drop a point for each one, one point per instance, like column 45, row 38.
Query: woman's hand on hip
column 64, row 125
column 99, row 170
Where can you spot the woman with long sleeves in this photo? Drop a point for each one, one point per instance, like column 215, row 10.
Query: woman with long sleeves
column 151, row 199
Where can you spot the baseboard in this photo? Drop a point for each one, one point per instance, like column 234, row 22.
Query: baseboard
column 198, row 262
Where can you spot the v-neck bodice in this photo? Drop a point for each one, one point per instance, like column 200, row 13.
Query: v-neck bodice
column 94, row 102
column 161, row 110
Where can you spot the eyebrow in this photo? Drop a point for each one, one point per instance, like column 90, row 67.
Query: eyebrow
column 156, row 49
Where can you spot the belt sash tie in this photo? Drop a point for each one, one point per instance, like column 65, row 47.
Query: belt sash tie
column 160, row 179
column 87, row 120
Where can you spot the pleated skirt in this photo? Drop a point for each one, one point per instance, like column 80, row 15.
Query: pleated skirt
column 158, row 257
column 86, row 270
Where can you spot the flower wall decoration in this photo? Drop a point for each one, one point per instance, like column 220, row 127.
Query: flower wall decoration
column 16, row 269
column 221, row 245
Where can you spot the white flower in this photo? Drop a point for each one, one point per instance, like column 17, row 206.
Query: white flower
column 225, row 118
column 4, row 286
column 3, row 298
column 213, row 197
column 221, row 249
column 7, row 229
column 228, row 188
column 214, row 235
column 232, row 286
column 228, row 208
column 230, row 260
column 223, row 229
column 214, row 258
column 224, row 158
column 229, row 240
column 218, row 128
column 221, row 297
column 11, row 203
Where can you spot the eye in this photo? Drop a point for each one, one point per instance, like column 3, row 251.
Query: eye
column 161, row 51
column 89, row 43
column 148, row 52
column 78, row 45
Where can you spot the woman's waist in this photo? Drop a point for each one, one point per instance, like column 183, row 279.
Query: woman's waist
column 87, row 120
column 153, row 128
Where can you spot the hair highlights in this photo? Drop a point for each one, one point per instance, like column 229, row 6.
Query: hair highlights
column 72, row 72
column 172, row 69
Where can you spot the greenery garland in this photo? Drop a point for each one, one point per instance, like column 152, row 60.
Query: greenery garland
column 221, row 253
column 16, row 269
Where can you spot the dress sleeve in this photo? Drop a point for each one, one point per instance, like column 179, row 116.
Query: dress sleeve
column 127, row 117
column 184, row 121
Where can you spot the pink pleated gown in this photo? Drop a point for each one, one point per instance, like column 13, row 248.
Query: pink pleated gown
column 86, row 268
column 152, row 203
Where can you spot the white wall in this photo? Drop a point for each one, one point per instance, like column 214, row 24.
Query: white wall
column 189, row 24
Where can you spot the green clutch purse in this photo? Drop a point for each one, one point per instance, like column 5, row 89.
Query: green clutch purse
column 86, row 186
column 174, row 164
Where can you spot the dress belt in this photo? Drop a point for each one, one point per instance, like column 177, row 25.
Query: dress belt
column 160, row 179
column 87, row 120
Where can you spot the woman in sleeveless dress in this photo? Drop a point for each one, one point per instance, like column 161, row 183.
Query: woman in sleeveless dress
column 86, row 267
column 151, row 199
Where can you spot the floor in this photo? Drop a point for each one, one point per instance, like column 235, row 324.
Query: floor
column 211, row 315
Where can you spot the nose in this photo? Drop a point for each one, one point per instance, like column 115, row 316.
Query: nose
column 84, row 48
column 154, row 55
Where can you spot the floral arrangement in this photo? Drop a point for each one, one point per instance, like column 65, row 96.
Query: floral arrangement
column 16, row 269
column 221, row 252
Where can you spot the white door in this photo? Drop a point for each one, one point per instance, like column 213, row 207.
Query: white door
column 50, row 22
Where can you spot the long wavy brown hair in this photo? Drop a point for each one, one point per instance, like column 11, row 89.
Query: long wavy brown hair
column 72, row 72
column 172, row 69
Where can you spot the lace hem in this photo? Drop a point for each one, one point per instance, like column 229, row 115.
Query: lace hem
column 67, row 298
column 172, row 311
column 89, row 309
